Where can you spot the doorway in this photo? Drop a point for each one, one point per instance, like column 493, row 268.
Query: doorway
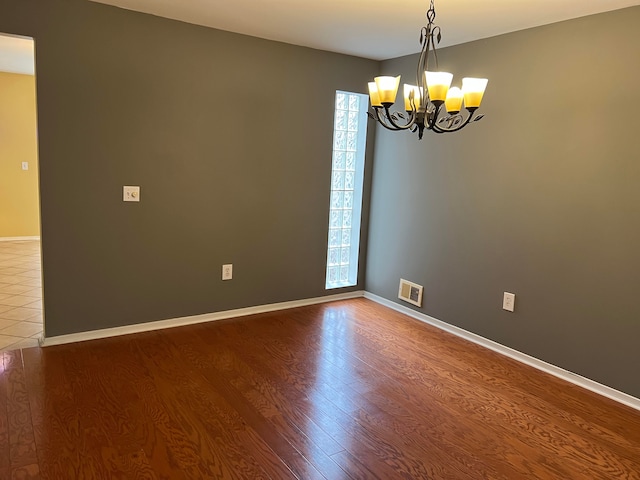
column 21, row 317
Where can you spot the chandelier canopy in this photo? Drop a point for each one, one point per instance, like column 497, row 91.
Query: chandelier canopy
column 424, row 102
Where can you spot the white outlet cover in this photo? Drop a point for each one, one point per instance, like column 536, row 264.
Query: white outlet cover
column 130, row 193
column 509, row 301
column 227, row 272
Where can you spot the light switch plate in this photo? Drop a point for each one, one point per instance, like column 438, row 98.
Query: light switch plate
column 130, row 194
column 25, row 165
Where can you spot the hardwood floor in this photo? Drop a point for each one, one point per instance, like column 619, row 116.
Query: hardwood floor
column 347, row 390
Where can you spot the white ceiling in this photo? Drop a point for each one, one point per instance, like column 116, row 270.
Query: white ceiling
column 377, row 29
column 16, row 55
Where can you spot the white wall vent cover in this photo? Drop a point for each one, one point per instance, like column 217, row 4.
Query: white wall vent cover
column 410, row 292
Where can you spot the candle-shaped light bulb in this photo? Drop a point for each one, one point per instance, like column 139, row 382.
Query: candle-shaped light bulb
column 387, row 89
column 408, row 90
column 374, row 96
column 453, row 102
column 473, row 90
column 438, row 84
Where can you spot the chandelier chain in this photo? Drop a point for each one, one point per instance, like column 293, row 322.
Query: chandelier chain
column 431, row 13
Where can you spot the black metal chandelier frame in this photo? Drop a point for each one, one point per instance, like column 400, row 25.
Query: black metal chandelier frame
column 427, row 114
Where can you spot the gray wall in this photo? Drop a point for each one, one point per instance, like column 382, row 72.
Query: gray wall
column 540, row 198
column 229, row 138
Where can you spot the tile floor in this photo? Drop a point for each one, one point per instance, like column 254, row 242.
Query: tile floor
column 20, row 294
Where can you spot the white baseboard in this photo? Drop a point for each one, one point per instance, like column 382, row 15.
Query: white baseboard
column 16, row 239
column 566, row 375
column 178, row 322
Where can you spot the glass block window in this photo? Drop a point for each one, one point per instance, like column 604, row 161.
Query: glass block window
column 347, row 175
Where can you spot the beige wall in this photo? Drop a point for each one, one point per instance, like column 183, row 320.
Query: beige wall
column 19, row 214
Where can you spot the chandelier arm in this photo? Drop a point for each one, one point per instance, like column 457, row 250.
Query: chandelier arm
column 432, row 118
column 387, row 121
column 438, row 129
column 382, row 120
column 422, row 65
column 433, row 43
column 389, row 117
column 428, row 43
column 432, row 29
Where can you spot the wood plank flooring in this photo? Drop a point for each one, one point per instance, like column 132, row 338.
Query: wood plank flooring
column 346, row 390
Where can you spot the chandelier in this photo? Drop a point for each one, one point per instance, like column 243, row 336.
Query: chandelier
column 424, row 102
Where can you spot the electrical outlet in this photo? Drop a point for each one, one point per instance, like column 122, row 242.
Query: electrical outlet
column 509, row 301
column 227, row 272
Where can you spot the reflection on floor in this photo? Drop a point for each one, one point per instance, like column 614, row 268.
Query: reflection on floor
column 20, row 294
